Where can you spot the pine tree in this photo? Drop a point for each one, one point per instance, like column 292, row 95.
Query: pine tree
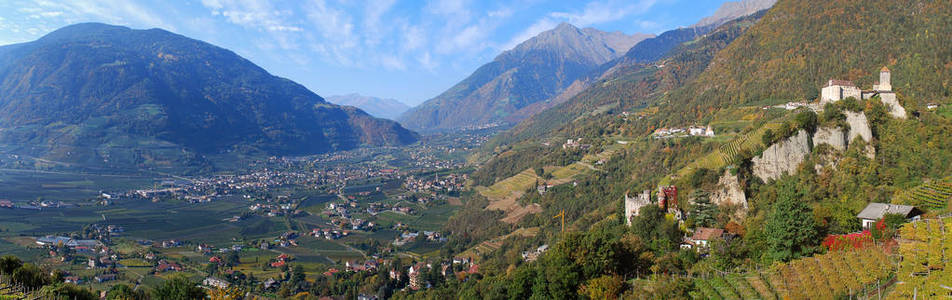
column 790, row 229
column 703, row 211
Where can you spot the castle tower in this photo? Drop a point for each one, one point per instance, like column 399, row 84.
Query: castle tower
column 633, row 204
column 884, row 78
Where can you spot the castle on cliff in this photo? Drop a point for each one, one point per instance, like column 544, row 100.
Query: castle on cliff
column 836, row 90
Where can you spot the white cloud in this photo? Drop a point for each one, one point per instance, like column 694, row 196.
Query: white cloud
column 533, row 30
column 117, row 12
column 597, row 12
column 255, row 14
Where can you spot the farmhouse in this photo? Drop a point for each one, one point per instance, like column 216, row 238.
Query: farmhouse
column 703, row 236
column 875, row 212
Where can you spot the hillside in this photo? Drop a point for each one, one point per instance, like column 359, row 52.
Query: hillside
column 378, row 107
column 533, row 71
column 629, row 84
column 799, row 45
column 753, row 211
column 97, row 94
column 650, row 50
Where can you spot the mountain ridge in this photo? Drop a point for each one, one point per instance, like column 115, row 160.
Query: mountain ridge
column 533, row 71
column 92, row 92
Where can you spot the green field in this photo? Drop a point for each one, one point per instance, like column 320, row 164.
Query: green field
column 28, row 185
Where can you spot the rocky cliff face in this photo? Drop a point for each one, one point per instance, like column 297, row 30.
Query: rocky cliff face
column 859, row 128
column 833, row 136
column 729, row 192
column 895, row 109
column 783, row 157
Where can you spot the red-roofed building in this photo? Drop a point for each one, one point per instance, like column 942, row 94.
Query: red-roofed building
column 330, row 272
column 703, row 236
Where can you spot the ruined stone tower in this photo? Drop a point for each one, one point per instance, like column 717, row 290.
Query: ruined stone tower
column 633, row 204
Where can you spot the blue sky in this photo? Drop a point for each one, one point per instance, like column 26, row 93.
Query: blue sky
column 407, row 50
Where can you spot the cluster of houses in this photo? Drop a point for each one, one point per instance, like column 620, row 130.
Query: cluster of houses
column 408, row 237
column 790, row 105
column 417, row 281
column 340, row 215
column 281, row 261
column 529, row 256
column 272, row 209
column 63, row 241
column 445, row 184
column 34, row 205
column 576, row 144
column 369, row 266
column 701, row 131
column 329, row 234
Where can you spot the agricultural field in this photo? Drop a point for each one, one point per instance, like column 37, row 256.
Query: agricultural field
column 933, row 195
column 926, row 270
column 825, row 276
column 730, row 152
column 29, row 185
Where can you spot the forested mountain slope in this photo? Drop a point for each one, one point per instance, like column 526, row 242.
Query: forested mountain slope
column 106, row 95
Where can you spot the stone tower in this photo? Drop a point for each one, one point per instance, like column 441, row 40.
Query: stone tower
column 633, row 204
column 884, row 77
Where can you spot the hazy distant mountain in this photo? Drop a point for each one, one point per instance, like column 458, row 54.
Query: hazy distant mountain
column 96, row 93
column 535, row 70
column 650, row 50
column 734, row 9
column 377, row 107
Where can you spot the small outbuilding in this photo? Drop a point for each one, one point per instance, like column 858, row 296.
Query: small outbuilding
column 875, row 212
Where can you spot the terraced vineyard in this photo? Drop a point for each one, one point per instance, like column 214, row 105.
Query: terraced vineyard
column 825, row 276
column 9, row 290
column 731, row 152
column 926, row 249
column 933, row 195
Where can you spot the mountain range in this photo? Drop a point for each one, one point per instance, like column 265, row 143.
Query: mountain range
column 535, row 70
column 378, row 107
column 101, row 94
